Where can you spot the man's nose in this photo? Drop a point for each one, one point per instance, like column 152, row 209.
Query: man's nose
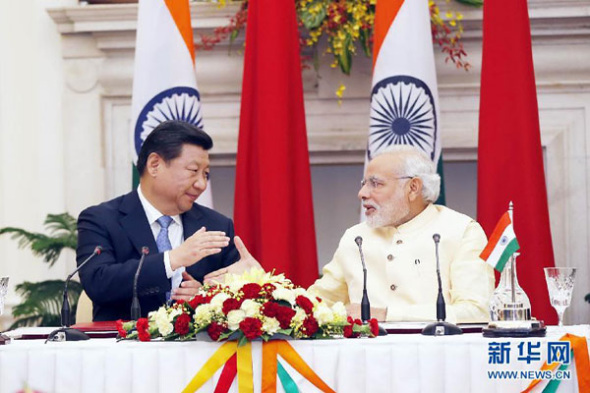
column 200, row 183
column 363, row 192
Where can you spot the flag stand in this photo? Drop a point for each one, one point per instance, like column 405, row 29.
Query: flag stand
column 510, row 307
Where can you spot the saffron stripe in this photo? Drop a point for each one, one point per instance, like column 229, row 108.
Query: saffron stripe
column 496, row 235
column 181, row 13
column 385, row 13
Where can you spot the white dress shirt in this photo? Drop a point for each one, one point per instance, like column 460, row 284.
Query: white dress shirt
column 175, row 234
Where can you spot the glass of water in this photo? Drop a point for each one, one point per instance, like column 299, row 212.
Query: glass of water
column 560, row 283
column 3, row 290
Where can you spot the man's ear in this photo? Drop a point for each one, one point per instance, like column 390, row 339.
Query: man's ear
column 415, row 185
column 153, row 164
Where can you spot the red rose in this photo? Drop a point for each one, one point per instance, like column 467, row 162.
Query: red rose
column 348, row 330
column 215, row 330
column 120, row 329
column 180, row 302
column 142, row 329
column 251, row 327
column 305, row 304
column 231, row 304
column 270, row 309
column 374, row 327
column 251, row 290
column 310, row 326
column 198, row 300
column 348, row 333
column 284, row 315
column 181, row 325
column 268, row 289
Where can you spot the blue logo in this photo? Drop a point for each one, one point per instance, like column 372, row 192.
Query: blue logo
column 178, row 103
column 558, row 351
column 498, row 353
column 402, row 112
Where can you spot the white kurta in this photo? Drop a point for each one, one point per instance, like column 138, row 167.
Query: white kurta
column 401, row 268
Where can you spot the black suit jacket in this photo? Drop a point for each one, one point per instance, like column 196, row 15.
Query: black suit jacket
column 121, row 227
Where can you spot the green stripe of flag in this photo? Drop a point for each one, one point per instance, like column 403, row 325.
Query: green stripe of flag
column 288, row 384
column 510, row 249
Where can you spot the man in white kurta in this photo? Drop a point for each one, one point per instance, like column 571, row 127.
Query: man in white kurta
column 397, row 194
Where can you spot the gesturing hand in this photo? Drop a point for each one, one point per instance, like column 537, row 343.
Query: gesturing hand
column 188, row 288
column 246, row 262
column 201, row 244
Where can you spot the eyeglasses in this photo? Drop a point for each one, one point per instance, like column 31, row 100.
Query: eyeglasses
column 374, row 182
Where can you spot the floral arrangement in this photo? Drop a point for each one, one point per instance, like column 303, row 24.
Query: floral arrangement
column 254, row 305
column 348, row 24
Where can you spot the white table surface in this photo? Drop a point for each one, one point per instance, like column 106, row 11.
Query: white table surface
column 394, row 363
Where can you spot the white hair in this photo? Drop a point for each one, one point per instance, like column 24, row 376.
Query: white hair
column 417, row 164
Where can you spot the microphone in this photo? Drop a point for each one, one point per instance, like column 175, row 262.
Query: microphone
column 135, row 307
column 441, row 327
column 365, row 304
column 66, row 333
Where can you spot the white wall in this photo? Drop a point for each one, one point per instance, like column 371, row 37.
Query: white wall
column 31, row 138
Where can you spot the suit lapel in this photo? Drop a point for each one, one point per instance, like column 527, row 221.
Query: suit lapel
column 135, row 223
column 191, row 221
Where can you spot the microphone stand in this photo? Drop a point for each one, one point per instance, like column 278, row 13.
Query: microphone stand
column 365, row 304
column 66, row 333
column 135, row 307
column 440, row 327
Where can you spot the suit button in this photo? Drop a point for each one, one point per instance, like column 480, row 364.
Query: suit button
column 400, row 241
column 393, row 287
column 390, row 257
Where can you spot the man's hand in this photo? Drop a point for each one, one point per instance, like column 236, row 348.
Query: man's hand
column 188, row 288
column 200, row 245
column 246, row 262
column 354, row 310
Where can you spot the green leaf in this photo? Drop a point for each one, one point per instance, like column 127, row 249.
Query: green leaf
column 42, row 301
column 63, row 234
column 473, row 3
column 312, row 21
column 242, row 341
column 345, row 59
column 365, row 35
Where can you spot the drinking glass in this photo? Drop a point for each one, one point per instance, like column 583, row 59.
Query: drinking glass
column 560, row 283
column 3, row 290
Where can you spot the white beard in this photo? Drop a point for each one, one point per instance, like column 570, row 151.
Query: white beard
column 391, row 213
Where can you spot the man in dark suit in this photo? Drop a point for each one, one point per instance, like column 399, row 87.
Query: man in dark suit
column 185, row 240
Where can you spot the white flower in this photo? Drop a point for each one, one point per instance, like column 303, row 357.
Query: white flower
column 234, row 317
column 299, row 317
column 203, row 315
column 300, row 292
column 284, row 294
column 162, row 320
column 217, row 302
column 323, row 314
column 270, row 325
column 339, row 311
column 251, row 308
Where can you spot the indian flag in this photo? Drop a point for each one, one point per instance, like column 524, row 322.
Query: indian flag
column 502, row 244
column 164, row 81
column 404, row 97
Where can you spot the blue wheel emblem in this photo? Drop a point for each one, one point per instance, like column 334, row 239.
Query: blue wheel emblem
column 402, row 112
column 177, row 103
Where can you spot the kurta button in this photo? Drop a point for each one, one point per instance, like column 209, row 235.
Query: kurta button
column 393, row 287
column 390, row 257
column 400, row 241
